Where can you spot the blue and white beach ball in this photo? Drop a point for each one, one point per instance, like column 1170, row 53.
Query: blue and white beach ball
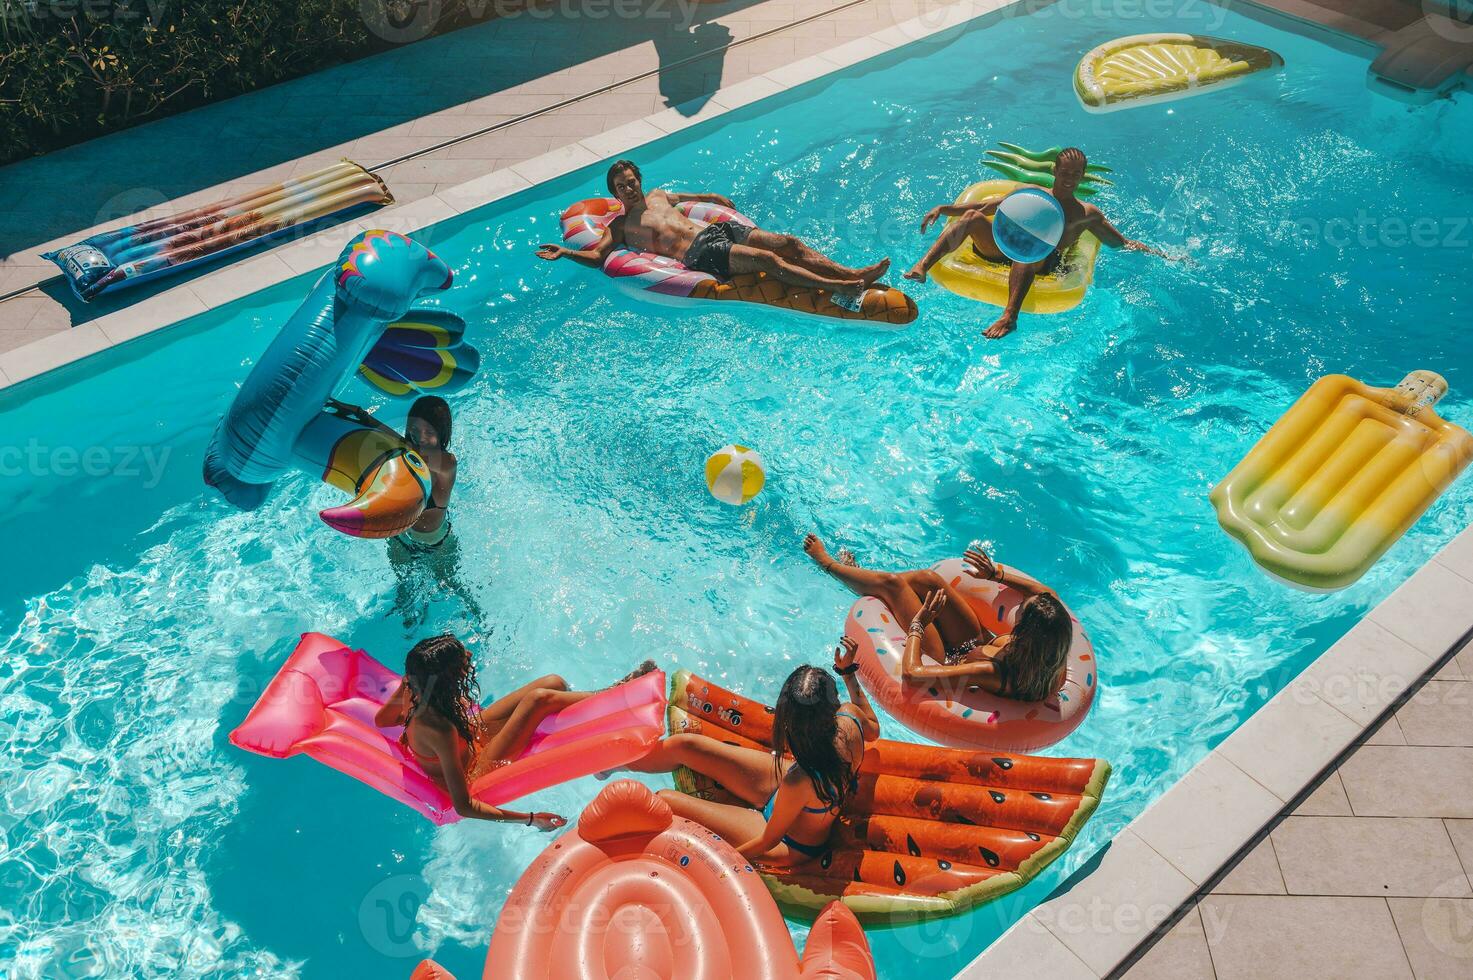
column 735, row 474
column 1028, row 225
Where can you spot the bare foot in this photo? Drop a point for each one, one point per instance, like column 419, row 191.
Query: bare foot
column 1001, row 328
column 917, row 273
column 870, row 274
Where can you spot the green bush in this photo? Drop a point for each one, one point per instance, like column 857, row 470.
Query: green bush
column 73, row 69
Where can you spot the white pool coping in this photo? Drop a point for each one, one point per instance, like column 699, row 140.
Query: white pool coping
column 1164, row 857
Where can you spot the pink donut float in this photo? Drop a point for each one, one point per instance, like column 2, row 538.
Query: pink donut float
column 661, row 278
column 635, row 891
column 971, row 719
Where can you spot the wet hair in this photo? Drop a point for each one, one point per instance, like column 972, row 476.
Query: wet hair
column 621, row 165
column 805, row 725
column 441, row 676
column 435, row 413
column 1039, row 647
column 1071, row 154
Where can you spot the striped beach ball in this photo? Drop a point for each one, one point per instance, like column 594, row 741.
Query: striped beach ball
column 1028, row 225
column 735, row 474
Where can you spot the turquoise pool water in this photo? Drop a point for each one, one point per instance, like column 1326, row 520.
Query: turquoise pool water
column 139, row 617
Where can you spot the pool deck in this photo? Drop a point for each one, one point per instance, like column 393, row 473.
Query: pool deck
column 1170, row 865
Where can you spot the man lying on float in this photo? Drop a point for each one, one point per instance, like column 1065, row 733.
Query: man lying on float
column 651, row 223
column 975, row 222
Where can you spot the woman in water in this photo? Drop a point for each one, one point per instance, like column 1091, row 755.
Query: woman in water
column 428, row 431
column 452, row 740
column 426, row 558
column 948, row 643
column 792, row 794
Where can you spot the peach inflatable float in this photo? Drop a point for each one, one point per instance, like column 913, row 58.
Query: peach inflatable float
column 635, row 891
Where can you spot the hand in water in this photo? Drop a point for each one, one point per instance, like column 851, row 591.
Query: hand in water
column 845, row 653
column 550, row 252
column 932, row 216
column 548, row 821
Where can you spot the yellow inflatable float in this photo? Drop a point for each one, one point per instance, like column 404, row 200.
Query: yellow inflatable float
column 1147, row 68
column 1340, row 477
column 968, row 274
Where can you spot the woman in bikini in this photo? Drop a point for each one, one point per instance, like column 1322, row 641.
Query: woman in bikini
column 454, row 742
column 428, row 431
column 791, row 796
column 947, row 643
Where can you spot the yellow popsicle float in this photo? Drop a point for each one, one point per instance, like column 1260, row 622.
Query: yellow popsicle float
column 1148, row 68
column 1341, row 477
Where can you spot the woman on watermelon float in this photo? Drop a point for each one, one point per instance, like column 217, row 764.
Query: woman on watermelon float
column 650, row 223
column 791, row 796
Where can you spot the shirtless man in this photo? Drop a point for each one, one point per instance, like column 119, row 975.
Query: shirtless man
column 650, row 223
column 976, row 223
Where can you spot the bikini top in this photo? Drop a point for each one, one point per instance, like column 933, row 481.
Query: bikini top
column 853, row 776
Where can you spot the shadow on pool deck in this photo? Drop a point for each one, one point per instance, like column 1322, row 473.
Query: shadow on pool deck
column 502, row 68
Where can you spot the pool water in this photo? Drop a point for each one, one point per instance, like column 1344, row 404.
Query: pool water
column 140, row 617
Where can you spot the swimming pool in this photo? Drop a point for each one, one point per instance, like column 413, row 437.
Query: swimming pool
column 141, row 618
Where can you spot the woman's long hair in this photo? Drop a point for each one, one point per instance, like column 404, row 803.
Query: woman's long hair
column 805, row 726
column 1039, row 648
column 441, row 676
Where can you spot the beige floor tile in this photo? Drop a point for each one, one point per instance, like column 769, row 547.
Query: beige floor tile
column 1461, row 832
column 1437, row 934
column 1290, row 937
column 1370, row 856
column 1458, row 555
column 1181, row 954
column 17, row 314
column 1441, row 713
column 1388, row 734
column 1328, row 800
column 1430, row 611
column 1196, row 847
column 1409, row 781
column 1257, row 874
column 514, row 144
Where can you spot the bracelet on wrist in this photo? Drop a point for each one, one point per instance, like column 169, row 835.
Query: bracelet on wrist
column 846, row 671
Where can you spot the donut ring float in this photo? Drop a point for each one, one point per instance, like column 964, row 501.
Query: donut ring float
column 970, row 718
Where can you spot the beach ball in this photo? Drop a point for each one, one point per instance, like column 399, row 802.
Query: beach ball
column 1028, row 225
column 735, row 474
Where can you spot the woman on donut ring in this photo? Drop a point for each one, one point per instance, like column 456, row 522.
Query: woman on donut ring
column 947, row 642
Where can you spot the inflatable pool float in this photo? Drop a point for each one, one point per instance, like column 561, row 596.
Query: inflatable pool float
column 137, row 253
column 1147, row 68
column 356, row 321
column 968, row 274
column 929, row 832
column 322, row 702
column 635, row 891
column 970, row 719
column 1341, row 477
column 657, row 277
column 1036, row 167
